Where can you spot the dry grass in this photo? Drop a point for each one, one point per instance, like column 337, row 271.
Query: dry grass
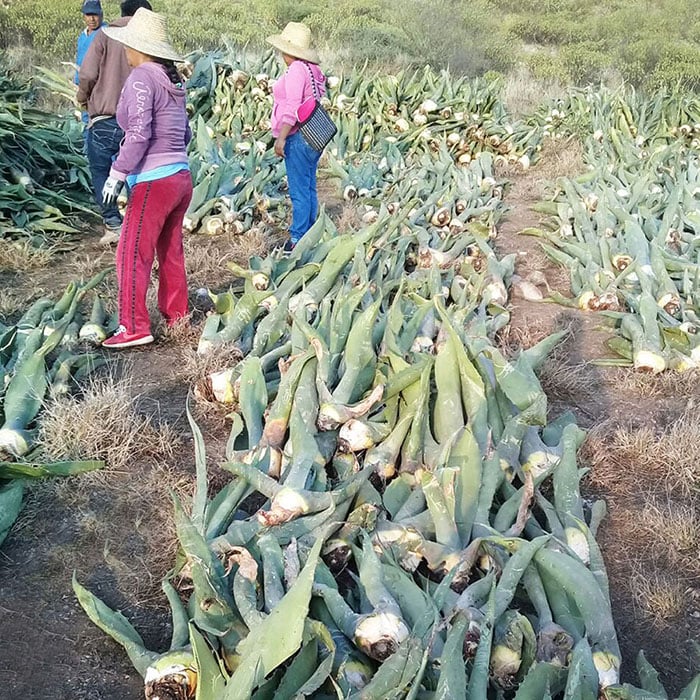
column 350, row 218
column 86, row 265
column 21, row 256
column 561, row 158
column 10, row 303
column 523, row 93
column 124, row 510
column 514, row 338
column 565, row 380
column 103, row 424
column 675, row 529
column 660, row 596
column 668, row 457
column 667, row 384
column 206, row 256
column 557, row 158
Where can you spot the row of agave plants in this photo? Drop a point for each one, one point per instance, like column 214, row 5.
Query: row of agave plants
column 404, row 519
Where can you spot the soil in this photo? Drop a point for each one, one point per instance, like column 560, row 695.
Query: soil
column 49, row 648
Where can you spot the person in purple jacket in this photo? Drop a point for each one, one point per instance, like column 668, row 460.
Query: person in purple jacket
column 153, row 162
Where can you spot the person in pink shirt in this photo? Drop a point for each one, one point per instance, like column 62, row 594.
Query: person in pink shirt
column 152, row 161
column 290, row 92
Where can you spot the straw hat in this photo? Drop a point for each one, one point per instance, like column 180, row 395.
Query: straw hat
column 295, row 40
column 145, row 32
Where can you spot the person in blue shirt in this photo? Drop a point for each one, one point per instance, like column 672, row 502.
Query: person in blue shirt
column 93, row 17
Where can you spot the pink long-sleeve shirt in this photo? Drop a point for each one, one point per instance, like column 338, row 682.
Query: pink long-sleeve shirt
column 291, row 91
column 151, row 111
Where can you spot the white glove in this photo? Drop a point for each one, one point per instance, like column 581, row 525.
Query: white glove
column 111, row 190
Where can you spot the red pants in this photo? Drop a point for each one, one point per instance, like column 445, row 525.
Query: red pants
column 153, row 226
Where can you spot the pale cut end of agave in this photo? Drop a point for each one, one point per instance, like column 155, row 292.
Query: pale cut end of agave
column 608, row 667
column 221, row 386
column 505, row 663
column 14, row 441
column 379, row 634
column 92, row 333
column 670, row 303
column 286, row 505
column 648, row 361
column 260, row 281
column 355, row 436
column 171, row 677
column 578, row 543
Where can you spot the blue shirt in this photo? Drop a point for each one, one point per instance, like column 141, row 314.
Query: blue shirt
column 156, row 173
column 84, row 41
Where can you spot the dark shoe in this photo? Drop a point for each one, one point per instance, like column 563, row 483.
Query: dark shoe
column 123, row 339
column 288, row 245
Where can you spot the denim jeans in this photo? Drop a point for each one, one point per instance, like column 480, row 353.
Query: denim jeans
column 102, row 141
column 301, row 162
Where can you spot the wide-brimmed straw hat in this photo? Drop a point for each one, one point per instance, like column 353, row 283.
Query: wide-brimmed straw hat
column 146, row 32
column 295, row 40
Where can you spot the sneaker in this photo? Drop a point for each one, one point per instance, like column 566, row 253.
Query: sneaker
column 123, row 339
column 111, row 235
column 289, row 245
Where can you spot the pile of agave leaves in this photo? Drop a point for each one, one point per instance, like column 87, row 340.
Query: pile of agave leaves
column 403, row 518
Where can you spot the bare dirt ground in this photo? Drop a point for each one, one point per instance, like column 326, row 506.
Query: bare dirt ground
column 114, row 529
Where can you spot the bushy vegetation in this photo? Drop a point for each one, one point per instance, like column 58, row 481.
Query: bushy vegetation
column 574, row 41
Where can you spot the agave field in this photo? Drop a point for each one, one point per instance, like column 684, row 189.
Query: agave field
column 397, row 512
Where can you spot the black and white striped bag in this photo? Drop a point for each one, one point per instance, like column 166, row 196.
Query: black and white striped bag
column 317, row 127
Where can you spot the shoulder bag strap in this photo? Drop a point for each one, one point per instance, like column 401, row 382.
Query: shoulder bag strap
column 314, row 87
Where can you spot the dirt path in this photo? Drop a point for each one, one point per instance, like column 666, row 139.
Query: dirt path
column 652, row 611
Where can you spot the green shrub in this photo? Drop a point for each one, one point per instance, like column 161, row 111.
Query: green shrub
column 584, row 63
column 546, row 66
column 678, row 67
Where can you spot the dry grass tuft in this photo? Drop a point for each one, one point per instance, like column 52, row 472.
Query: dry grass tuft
column 103, row 424
column 21, row 256
column 514, row 338
column 196, row 368
column 10, row 303
column 660, row 596
column 669, row 457
column 675, row 527
column 86, row 265
column 523, row 93
column 667, row 384
column 565, row 380
column 561, row 158
column 350, row 218
column 557, row 158
column 206, row 256
column 144, row 465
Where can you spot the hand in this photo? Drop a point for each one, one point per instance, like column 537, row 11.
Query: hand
column 111, row 190
column 279, row 146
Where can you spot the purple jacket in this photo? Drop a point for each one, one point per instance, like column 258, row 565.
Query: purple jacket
column 151, row 111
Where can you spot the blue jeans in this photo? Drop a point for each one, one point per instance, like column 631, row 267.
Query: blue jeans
column 102, row 141
column 301, row 162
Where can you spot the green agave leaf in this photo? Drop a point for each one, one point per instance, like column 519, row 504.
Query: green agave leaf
column 648, row 676
column 199, row 499
column 10, row 506
column 210, row 679
column 116, row 626
column 33, row 470
column 453, row 675
column 541, row 679
column 394, row 675
column 278, row 637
